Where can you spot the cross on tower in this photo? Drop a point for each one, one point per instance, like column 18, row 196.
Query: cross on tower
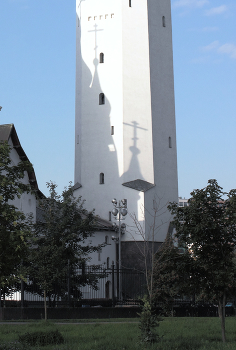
column 135, row 126
column 96, row 30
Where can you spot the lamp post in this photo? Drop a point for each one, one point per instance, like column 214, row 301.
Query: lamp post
column 119, row 212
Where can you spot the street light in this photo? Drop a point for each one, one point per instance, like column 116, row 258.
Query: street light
column 120, row 211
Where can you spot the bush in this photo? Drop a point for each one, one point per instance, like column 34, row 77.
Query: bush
column 42, row 338
column 148, row 323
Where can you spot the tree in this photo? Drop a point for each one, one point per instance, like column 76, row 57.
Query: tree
column 207, row 228
column 15, row 229
column 149, row 241
column 61, row 236
column 171, row 274
column 147, row 252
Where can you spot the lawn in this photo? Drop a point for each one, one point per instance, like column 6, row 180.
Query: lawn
column 176, row 334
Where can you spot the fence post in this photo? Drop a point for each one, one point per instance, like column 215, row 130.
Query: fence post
column 117, row 282
column 68, row 282
column 22, row 289
column 113, row 284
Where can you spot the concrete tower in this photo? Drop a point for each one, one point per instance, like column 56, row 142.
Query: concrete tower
column 125, row 144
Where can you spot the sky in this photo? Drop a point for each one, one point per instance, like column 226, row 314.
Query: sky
column 37, row 87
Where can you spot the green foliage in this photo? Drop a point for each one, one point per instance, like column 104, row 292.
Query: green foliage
column 171, row 275
column 207, row 230
column 61, row 236
column 148, row 323
column 42, row 338
column 15, row 229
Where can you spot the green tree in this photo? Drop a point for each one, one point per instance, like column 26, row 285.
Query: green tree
column 171, row 274
column 60, row 236
column 15, row 229
column 207, row 228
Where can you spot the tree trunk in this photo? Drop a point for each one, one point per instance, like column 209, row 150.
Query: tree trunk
column 221, row 310
column 45, row 306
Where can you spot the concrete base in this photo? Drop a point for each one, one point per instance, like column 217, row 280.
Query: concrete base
column 7, row 314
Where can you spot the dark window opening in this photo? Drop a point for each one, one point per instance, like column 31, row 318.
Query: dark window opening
column 170, row 142
column 101, row 98
column 101, row 178
column 101, row 57
column 163, row 21
column 99, row 254
column 109, row 215
column 129, row 3
column 112, row 130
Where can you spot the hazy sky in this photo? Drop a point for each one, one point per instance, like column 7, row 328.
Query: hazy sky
column 37, row 87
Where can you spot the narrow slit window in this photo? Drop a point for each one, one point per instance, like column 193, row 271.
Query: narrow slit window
column 101, row 98
column 109, row 215
column 163, row 21
column 101, row 57
column 99, row 254
column 129, row 3
column 108, row 263
column 101, row 178
column 106, row 239
column 170, row 142
column 77, row 139
column 112, row 130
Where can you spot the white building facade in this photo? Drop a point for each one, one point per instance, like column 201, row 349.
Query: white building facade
column 125, row 133
column 27, row 203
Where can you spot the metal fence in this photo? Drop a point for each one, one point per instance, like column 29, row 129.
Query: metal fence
column 86, row 286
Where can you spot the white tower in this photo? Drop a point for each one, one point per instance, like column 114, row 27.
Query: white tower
column 125, row 114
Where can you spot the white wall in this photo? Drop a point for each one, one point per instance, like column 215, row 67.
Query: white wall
column 27, row 202
column 137, row 80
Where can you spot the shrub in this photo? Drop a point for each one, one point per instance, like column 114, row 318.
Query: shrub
column 41, row 338
column 148, row 323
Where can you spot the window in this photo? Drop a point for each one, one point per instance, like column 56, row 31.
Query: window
column 99, row 254
column 108, row 263
column 101, row 57
column 170, row 142
column 163, row 21
column 129, row 3
column 101, row 98
column 112, row 130
column 77, row 139
column 106, row 239
column 89, row 18
column 109, row 215
column 101, row 178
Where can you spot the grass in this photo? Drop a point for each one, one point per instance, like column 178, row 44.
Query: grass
column 177, row 334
